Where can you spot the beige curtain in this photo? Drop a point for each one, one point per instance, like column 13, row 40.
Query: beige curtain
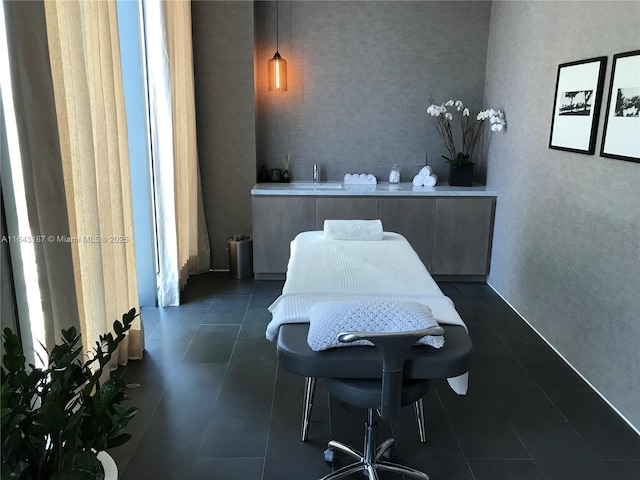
column 183, row 241
column 87, row 81
column 193, row 238
column 69, row 110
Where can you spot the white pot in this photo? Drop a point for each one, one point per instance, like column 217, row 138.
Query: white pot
column 109, row 464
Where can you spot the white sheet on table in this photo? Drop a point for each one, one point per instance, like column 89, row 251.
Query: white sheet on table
column 389, row 265
column 323, row 270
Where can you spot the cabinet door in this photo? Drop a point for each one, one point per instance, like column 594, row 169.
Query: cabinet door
column 345, row 208
column 412, row 218
column 462, row 236
column 276, row 221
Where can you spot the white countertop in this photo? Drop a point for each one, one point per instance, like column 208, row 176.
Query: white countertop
column 383, row 189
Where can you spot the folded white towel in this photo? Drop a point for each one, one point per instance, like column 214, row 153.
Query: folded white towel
column 353, row 230
column 425, row 171
column 360, row 179
column 430, row 181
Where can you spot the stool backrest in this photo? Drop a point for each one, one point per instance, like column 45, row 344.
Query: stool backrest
column 394, row 348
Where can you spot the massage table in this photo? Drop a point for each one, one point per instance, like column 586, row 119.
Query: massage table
column 321, row 270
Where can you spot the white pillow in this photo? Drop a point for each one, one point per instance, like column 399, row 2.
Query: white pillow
column 353, row 230
column 328, row 319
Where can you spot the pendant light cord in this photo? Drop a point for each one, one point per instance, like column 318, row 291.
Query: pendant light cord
column 277, row 23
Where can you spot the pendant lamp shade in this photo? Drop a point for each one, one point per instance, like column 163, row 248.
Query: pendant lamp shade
column 277, row 65
column 277, row 74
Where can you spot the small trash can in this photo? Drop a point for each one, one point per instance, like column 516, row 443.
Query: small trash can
column 240, row 256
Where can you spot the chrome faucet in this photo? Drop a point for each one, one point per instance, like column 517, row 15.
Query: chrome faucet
column 316, row 173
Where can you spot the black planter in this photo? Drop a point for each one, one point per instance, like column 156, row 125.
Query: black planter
column 461, row 176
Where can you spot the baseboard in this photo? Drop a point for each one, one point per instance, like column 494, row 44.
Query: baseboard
column 626, row 420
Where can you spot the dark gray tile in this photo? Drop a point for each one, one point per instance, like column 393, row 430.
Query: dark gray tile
column 560, row 453
column 175, row 324
column 603, row 430
column 479, row 423
column 177, row 425
column 197, row 294
column 623, row 469
column 526, row 405
column 511, row 329
column 254, row 325
column 265, row 292
column 547, row 368
column 239, row 425
column 287, row 456
column 225, row 285
column 225, row 468
column 479, row 292
column 212, row 344
column 227, row 309
column 440, row 457
column 492, row 469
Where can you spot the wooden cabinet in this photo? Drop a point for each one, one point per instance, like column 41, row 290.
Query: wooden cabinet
column 276, row 221
column 462, row 231
column 451, row 234
column 412, row 218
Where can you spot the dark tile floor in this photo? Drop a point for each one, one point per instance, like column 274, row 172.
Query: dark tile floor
column 214, row 405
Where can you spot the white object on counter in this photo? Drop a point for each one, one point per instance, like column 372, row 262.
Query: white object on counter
column 425, row 178
column 394, row 175
column 360, row 178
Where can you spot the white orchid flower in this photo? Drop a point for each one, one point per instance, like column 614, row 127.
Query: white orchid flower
column 448, row 116
column 450, row 103
column 465, row 112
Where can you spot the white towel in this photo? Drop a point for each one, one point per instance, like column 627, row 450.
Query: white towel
column 430, row 181
column 353, row 230
column 422, row 181
column 425, row 171
column 360, row 179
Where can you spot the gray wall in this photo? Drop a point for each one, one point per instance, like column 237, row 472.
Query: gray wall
column 225, row 116
column 565, row 251
column 360, row 78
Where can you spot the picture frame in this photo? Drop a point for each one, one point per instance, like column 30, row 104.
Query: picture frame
column 621, row 134
column 576, row 106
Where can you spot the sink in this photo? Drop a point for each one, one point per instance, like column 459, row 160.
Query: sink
column 317, row 186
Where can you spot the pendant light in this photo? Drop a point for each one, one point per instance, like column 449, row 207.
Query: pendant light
column 277, row 67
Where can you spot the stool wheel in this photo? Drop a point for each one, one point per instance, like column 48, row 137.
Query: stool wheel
column 329, row 455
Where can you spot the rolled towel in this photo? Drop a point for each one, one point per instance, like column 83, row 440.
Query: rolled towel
column 425, row 171
column 360, row 179
column 430, row 181
column 417, row 180
column 353, row 229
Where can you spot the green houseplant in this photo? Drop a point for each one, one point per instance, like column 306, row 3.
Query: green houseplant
column 56, row 419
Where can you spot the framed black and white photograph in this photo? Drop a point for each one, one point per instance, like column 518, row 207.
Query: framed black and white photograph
column 621, row 136
column 576, row 107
